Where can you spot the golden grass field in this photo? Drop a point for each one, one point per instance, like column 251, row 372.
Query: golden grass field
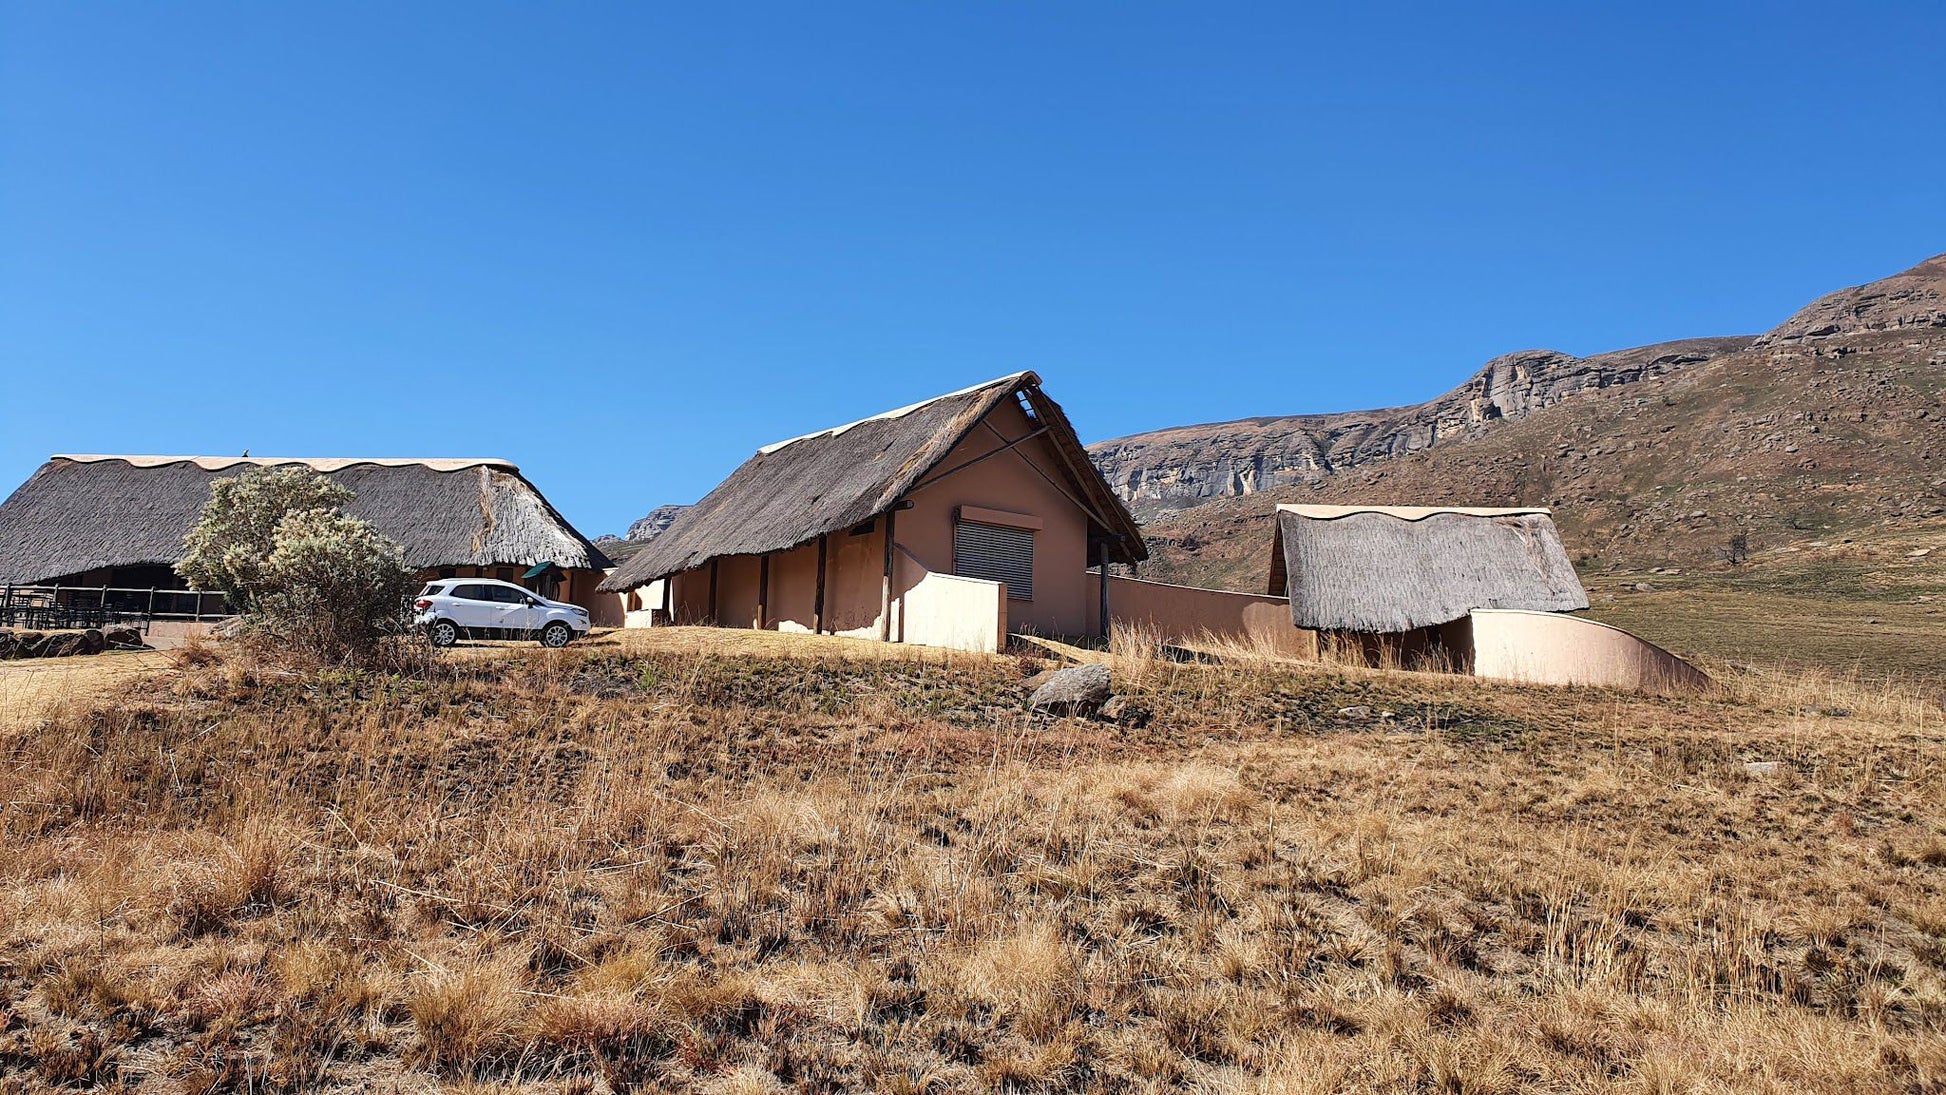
column 720, row 861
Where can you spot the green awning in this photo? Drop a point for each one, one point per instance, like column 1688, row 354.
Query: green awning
column 538, row 570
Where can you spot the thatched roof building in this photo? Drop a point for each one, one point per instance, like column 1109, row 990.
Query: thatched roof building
column 81, row 514
column 1391, row 569
column 792, row 492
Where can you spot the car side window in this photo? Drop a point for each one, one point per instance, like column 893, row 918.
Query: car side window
column 473, row 593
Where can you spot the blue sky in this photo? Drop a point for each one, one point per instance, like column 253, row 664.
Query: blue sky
column 624, row 245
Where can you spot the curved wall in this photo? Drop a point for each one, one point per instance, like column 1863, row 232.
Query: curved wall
column 1552, row 648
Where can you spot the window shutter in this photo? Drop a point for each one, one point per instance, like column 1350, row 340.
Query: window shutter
column 996, row 554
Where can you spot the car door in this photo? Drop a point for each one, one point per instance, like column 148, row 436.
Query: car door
column 516, row 611
column 475, row 606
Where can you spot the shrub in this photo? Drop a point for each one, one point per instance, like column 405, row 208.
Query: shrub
column 335, row 586
column 295, row 567
column 237, row 531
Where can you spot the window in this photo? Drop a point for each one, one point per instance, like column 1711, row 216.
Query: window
column 508, row 595
column 998, row 554
column 473, row 593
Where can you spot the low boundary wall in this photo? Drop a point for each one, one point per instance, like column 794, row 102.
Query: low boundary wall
column 947, row 610
column 1554, row 648
column 1185, row 613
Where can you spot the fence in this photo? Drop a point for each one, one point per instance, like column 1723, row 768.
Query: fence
column 58, row 607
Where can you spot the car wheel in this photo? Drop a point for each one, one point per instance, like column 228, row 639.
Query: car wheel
column 443, row 633
column 556, row 635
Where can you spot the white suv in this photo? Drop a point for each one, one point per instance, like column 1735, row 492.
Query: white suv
column 452, row 609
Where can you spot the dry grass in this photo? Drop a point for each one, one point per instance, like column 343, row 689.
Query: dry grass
column 657, row 865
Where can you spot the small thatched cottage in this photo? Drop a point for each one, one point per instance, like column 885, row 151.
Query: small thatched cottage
column 947, row 523
column 119, row 521
column 1486, row 591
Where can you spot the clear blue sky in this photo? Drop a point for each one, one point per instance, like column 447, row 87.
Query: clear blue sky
column 624, row 245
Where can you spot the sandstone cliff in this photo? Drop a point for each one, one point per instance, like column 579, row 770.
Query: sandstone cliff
column 1177, row 468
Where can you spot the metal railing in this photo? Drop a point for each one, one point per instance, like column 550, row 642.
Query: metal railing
column 59, row 607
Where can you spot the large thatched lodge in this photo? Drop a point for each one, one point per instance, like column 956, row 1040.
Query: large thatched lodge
column 118, row 522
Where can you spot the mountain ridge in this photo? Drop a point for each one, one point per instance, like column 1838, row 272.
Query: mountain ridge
column 1833, row 422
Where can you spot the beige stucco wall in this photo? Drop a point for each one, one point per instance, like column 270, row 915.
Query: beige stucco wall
column 948, row 610
column 1554, row 648
column 1010, row 482
column 1186, row 613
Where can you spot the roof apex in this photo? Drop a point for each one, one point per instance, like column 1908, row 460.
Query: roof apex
column 1025, row 376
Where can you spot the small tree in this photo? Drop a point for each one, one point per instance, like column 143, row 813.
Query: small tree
column 238, row 529
column 297, row 568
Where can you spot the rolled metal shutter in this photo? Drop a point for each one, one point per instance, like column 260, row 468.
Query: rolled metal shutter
column 996, row 554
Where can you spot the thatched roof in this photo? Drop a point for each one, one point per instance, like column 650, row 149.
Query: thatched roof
column 81, row 512
column 794, row 491
column 1389, row 569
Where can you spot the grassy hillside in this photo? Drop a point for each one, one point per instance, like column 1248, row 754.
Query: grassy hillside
column 717, row 861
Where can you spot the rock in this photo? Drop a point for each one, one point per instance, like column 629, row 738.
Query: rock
column 32, row 644
column 8, row 644
column 64, row 645
column 1761, row 768
column 1034, row 681
column 1643, row 587
column 1359, row 712
column 1119, row 710
column 1921, row 553
column 123, row 638
column 1076, row 690
column 92, row 642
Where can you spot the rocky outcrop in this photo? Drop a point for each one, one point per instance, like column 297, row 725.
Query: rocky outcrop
column 1914, row 298
column 654, row 524
column 1186, row 466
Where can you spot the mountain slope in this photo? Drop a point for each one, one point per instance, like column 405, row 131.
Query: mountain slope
column 1832, row 423
column 1186, row 466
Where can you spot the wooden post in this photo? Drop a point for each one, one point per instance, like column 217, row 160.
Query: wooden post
column 885, row 590
column 715, row 615
column 668, row 600
column 763, row 591
column 1105, row 629
column 817, row 606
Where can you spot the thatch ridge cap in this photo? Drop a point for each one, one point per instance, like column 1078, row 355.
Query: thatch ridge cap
column 1408, row 513
column 315, row 463
column 1025, row 376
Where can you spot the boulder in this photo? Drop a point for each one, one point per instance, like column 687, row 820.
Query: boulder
column 123, row 638
column 8, row 644
column 92, row 642
column 66, row 644
column 1077, row 690
column 32, row 644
